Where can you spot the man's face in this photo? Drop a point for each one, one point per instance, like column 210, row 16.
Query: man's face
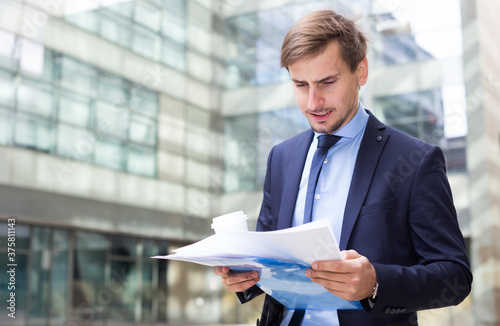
column 326, row 90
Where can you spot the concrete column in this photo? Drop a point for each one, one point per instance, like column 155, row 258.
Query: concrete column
column 482, row 74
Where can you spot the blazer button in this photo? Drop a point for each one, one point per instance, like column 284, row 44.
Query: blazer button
column 387, row 310
column 379, row 138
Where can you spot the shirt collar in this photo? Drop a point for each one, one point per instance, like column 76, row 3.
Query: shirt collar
column 353, row 127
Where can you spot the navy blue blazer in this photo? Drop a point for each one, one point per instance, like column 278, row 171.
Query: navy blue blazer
column 399, row 214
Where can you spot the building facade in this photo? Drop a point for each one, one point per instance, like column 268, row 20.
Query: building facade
column 126, row 125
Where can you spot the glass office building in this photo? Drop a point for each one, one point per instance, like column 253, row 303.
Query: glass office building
column 126, row 125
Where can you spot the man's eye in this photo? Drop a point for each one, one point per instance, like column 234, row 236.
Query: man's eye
column 300, row 85
column 329, row 83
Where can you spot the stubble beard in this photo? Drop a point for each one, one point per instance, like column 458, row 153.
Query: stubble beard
column 323, row 128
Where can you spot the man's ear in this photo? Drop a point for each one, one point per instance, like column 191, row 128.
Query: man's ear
column 362, row 72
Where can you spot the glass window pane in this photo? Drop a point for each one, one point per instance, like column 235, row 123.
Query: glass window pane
column 147, row 15
column 59, row 290
column 36, row 98
column 111, row 119
column 6, row 88
column 116, row 29
column 177, row 7
column 142, row 129
column 173, row 55
column 123, row 246
column 78, row 76
column 147, row 292
column 5, row 127
column 9, row 50
column 74, row 109
column 40, row 275
column 174, row 27
column 146, row 43
column 123, row 8
column 34, row 133
column 41, row 238
column 83, row 14
column 61, row 239
column 142, row 160
column 144, row 101
column 110, row 153
column 123, row 277
column 75, row 143
column 152, row 248
column 89, row 275
column 113, row 89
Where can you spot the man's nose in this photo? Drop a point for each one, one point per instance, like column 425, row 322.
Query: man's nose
column 315, row 100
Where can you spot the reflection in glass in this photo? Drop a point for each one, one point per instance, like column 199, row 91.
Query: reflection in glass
column 123, row 246
column 59, row 305
column 142, row 129
column 144, row 101
column 173, row 55
column 78, row 76
column 123, row 288
column 116, row 29
column 123, row 8
column 174, row 27
column 6, row 88
column 34, row 133
column 147, row 15
column 110, row 153
column 113, row 89
column 147, row 291
column 9, row 50
column 89, row 277
column 40, row 275
column 111, row 119
column 141, row 160
column 146, row 43
column 36, row 98
column 75, row 143
column 85, row 19
column 74, row 109
column 33, row 59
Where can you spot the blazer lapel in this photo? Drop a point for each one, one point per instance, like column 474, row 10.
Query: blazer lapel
column 371, row 147
column 292, row 177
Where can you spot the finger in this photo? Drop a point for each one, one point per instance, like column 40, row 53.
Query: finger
column 236, row 278
column 242, row 286
column 334, row 277
column 221, row 270
column 238, row 282
column 349, row 254
column 342, row 290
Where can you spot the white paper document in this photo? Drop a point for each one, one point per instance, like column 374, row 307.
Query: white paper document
column 281, row 258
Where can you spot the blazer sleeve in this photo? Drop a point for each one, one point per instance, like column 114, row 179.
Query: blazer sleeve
column 442, row 276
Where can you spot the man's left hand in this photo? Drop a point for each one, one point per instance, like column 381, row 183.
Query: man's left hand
column 351, row 278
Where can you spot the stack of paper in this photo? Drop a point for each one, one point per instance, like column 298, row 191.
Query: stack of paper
column 281, row 258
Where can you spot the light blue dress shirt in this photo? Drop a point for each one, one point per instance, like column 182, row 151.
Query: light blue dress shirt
column 333, row 187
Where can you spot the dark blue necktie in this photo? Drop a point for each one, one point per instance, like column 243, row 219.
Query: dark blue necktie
column 324, row 144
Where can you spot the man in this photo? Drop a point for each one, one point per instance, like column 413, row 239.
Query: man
column 385, row 193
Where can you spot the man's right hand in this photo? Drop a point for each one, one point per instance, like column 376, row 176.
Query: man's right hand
column 237, row 282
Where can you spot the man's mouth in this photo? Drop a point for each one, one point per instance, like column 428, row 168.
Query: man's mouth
column 321, row 116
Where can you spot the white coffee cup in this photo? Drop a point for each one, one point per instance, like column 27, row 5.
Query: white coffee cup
column 236, row 221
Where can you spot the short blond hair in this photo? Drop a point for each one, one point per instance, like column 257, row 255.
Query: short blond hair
column 310, row 36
